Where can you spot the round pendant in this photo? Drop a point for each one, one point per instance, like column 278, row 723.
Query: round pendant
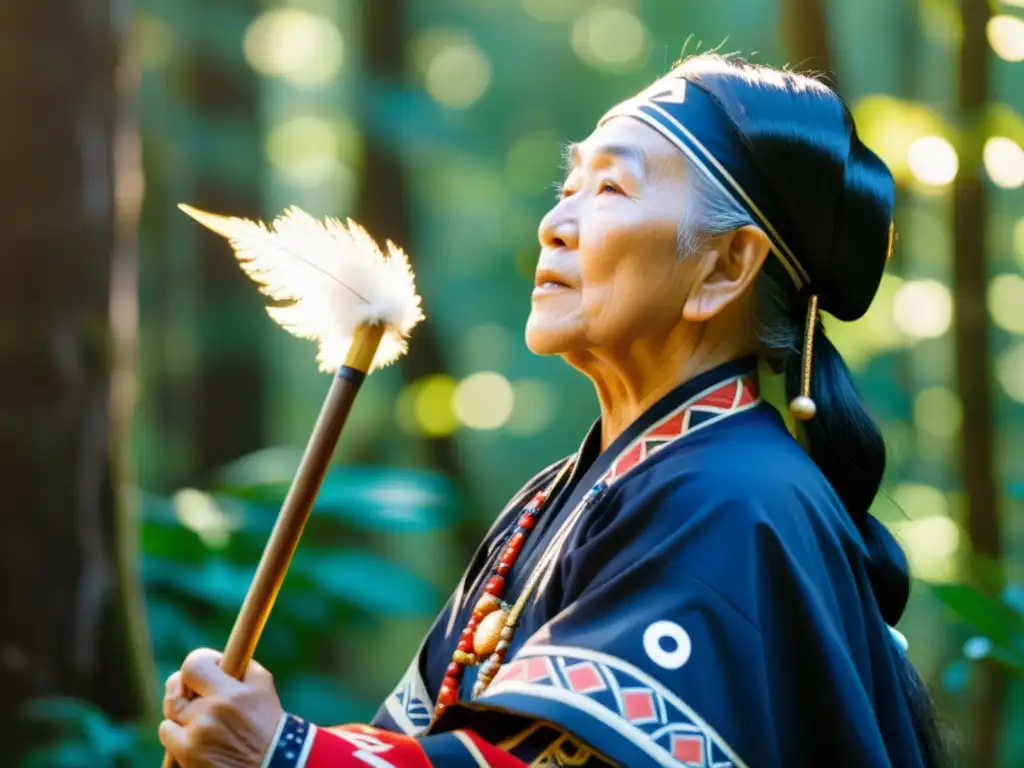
column 488, row 633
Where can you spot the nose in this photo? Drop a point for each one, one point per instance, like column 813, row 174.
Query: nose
column 558, row 229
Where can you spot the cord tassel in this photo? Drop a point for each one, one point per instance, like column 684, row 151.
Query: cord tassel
column 802, row 406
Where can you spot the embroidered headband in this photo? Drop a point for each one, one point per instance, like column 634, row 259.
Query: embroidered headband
column 693, row 120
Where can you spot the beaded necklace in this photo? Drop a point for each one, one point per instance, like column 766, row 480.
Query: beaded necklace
column 488, row 633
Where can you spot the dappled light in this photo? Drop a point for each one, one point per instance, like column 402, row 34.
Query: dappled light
column 156, row 418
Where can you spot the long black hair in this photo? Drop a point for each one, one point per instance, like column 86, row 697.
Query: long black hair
column 841, row 198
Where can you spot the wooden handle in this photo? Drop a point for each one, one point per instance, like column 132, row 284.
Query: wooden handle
column 291, row 521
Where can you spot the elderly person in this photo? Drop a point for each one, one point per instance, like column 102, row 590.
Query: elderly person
column 694, row 587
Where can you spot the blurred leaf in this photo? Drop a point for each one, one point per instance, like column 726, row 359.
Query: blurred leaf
column 405, row 500
column 985, row 614
column 65, row 755
column 85, row 730
column 369, row 581
column 68, row 714
column 214, row 581
column 172, row 629
column 1013, row 596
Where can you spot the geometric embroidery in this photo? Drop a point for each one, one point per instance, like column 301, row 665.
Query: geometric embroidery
column 409, row 705
column 730, row 397
column 625, row 698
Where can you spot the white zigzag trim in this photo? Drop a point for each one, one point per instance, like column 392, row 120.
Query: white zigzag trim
column 413, row 687
column 600, row 712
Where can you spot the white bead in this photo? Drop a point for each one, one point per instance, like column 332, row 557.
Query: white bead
column 802, row 408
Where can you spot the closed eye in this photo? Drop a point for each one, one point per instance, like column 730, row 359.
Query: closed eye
column 563, row 191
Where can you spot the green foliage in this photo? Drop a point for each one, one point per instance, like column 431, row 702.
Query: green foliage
column 995, row 621
column 199, row 552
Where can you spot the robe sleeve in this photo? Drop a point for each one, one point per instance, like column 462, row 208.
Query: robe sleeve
column 693, row 632
column 299, row 744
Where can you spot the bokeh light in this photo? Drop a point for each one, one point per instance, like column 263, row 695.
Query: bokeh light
column 923, row 308
column 875, row 333
column 534, row 408
column 610, row 38
column 1006, row 302
column 200, row 513
column 455, row 72
column 931, row 543
column 932, row 161
column 1006, row 36
column 890, row 126
column 917, row 500
column 305, row 151
column 295, row 45
column 1010, row 371
column 425, row 406
column 483, row 400
column 938, row 412
column 1004, row 162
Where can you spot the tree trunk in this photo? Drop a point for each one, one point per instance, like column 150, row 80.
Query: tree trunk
column 383, row 202
column 70, row 613
column 805, row 37
column 970, row 276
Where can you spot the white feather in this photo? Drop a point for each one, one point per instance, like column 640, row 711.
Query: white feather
column 335, row 278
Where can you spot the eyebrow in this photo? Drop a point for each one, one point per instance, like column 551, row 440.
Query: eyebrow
column 625, row 152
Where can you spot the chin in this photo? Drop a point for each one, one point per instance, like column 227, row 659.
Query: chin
column 544, row 337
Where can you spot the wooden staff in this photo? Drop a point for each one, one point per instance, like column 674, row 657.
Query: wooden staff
column 352, row 299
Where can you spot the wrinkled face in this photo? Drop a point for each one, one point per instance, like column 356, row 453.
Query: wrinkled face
column 609, row 272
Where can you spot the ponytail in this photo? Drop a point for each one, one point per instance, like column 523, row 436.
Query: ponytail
column 847, row 445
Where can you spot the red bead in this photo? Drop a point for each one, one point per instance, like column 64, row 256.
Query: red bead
column 527, row 521
column 508, row 556
column 466, row 644
column 454, row 671
column 503, row 568
column 446, row 696
column 517, row 542
column 467, row 634
column 473, row 623
column 495, row 585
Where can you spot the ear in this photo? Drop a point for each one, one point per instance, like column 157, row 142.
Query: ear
column 727, row 268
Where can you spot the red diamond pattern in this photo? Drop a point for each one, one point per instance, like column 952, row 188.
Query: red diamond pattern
column 728, row 397
column 688, row 749
column 537, row 668
column 584, row 678
column 638, row 705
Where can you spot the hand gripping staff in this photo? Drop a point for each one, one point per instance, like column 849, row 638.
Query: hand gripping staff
column 333, row 284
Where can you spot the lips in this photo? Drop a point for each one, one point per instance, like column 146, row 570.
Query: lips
column 546, row 278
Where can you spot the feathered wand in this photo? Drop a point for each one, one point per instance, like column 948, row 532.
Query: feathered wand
column 360, row 304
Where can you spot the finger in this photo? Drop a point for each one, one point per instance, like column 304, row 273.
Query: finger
column 175, row 697
column 184, row 711
column 174, row 739
column 258, row 675
column 173, row 687
column 201, row 673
